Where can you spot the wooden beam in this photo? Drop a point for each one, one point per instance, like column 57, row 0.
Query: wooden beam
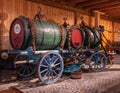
column 101, row 5
column 77, row 1
column 117, row 14
column 59, row 0
column 113, row 11
column 113, row 14
column 88, row 3
column 111, row 7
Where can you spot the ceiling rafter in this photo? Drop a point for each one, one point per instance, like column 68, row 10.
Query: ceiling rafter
column 113, row 14
column 102, row 5
column 88, row 3
column 58, row 0
column 113, row 11
column 110, row 8
column 77, row 1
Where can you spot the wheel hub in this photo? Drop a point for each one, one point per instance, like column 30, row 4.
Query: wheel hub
column 51, row 67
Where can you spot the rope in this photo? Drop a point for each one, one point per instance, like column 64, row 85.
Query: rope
column 63, row 39
column 32, row 30
column 69, row 33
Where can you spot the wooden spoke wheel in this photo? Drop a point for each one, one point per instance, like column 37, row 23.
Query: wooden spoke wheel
column 25, row 65
column 98, row 61
column 50, row 67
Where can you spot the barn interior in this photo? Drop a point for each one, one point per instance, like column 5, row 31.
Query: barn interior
column 103, row 15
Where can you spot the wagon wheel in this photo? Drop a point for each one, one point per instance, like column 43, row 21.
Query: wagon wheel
column 50, row 67
column 25, row 65
column 98, row 62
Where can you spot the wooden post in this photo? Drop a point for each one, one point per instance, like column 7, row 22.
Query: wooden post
column 97, row 15
column 97, row 19
column 76, row 15
column 113, row 35
column 90, row 21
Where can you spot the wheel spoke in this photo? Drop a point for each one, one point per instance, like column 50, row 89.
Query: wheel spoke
column 46, row 61
column 21, row 68
column 48, row 76
column 97, row 66
column 55, row 73
column 94, row 65
column 52, row 74
column 57, row 64
column 93, row 58
column 58, row 69
column 43, row 65
column 24, row 70
column 55, row 60
column 45, row 74
column 48, row 57
column 28, row 70
column 31, row 68
column 43, row 70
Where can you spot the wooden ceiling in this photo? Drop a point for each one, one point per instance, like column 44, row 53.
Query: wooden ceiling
column 111, row 8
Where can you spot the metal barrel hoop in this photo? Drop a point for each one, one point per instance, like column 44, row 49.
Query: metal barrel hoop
column 33, row 33
column 63, row 39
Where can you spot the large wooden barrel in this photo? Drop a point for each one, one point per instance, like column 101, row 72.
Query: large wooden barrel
column 91, row 36
column 81, row 37
column 48, row 34
column 75, row 36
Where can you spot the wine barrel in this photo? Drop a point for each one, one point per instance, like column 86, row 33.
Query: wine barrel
column 75, row 36
column 91, row 36
column 48, row 34
column 97, row 37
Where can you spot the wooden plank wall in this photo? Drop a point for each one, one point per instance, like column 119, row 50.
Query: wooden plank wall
column 9, row 9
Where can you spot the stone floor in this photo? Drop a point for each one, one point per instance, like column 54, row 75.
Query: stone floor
column 107, row 81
